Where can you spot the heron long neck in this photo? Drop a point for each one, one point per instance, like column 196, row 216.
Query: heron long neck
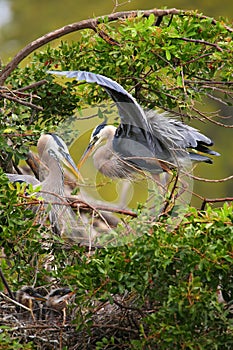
column 108, row 134
column 54, row 182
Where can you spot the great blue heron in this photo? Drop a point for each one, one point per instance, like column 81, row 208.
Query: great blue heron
column 142, row 141
column 52, row 151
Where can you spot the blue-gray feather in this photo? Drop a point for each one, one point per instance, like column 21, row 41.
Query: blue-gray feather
column 146, row 135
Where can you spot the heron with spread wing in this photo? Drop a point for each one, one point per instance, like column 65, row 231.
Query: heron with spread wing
column 147, row 141
column 52, row 151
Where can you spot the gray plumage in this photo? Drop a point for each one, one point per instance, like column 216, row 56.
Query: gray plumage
column 52, row 151
column 143, row 140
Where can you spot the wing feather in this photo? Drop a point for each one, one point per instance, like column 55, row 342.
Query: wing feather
column 131, row 113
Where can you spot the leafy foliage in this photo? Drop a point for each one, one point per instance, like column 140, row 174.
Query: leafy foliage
column 170, row 278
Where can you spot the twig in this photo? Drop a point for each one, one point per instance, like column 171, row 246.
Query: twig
column 198, row 41
column 15, row 302
column 22, row 102
column 211, row 82
column 106, row 37
column 211, row 120
column 32, row 86
column 6, row 285
column 82, row 205
column 194, row 60
column 215, row 200
column 211, row 180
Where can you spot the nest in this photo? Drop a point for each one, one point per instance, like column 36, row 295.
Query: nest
column 84, row 328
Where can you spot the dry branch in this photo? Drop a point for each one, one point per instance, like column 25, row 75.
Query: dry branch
column 215, row 200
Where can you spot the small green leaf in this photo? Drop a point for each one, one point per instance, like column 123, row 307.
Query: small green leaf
column 168, row 55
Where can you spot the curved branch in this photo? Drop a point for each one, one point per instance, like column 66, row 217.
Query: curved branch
column 211, row 120
column 85, row 24
column 22, row 102
column 211, row 180
column 215, row 200
column 198, row 41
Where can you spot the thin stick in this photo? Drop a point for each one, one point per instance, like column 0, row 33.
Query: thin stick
column 6, row 285
column 15, row 302
column 215, row 200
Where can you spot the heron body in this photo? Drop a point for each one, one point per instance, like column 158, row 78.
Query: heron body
column 56, row 304
column 27, row 293
column 143, row 140
column 57, row 298
column 52, row 151
column 29, row 297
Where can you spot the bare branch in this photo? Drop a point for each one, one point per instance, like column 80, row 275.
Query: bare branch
column 106, row 37
column 211, row 120
column 211, row 82
column 211, row 180
column 14, row 301
column 32, row 86
column 22, row 102
column 198, row 41
column 215, row 200
column 84, row 205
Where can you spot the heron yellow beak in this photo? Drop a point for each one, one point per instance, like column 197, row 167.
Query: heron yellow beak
column 68, row 161
column 86, row 153
column 37, row 296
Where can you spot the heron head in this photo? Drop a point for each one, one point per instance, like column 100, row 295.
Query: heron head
column 101, row 133
column 51, row 145
column 58, row 298
column 28, row 293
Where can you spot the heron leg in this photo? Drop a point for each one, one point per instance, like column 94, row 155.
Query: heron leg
column 64, row 316
column 31, row 310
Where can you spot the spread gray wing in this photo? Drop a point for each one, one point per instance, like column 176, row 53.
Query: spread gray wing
column 145, row 136
column 134, row 123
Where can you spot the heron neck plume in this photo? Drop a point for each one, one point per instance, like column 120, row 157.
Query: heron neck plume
column 53, row 182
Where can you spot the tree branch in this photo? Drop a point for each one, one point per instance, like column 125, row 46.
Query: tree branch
column 22, row 102
column 91, row 24
column 198, row 41
column 215, row 200
column 211, row 180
